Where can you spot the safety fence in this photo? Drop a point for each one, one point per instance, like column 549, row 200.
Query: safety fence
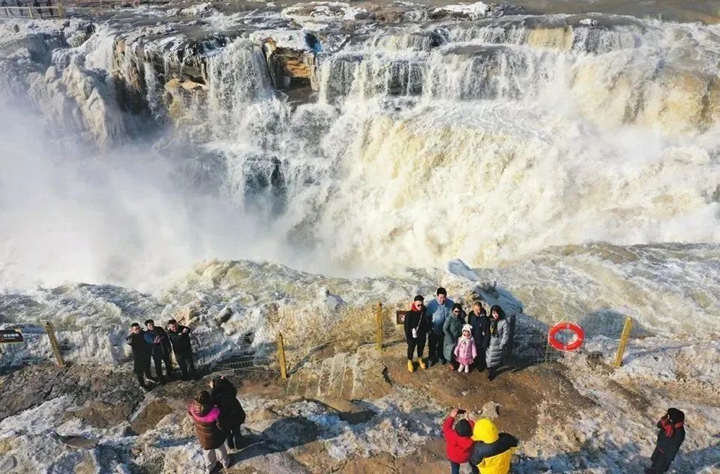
column 378, row 324
column 32, row 12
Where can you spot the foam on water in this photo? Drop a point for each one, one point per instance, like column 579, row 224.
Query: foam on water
column 490, row 141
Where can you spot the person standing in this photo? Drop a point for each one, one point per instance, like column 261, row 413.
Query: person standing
column 416, row 328
column 670, row 438
column 452, row 330
column 209, row 431
column 493, row 451
column 465, row 350
column 158, row 338
column 497, row 342
column 182, row 347
column 458, row 442
column 480, row 323
column 436, row 313
column 141, row 354
column 232, row 415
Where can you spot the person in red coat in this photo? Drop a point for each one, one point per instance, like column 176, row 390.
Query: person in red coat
column 458, row 442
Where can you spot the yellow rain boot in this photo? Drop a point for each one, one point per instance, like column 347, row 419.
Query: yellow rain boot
column 422, row 364
column 411, row 367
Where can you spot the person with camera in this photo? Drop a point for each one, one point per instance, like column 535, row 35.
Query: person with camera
column 416, row 327
column 670, row 437
column 458, row 440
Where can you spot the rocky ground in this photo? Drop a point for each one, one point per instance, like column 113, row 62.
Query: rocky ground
column 98, row 419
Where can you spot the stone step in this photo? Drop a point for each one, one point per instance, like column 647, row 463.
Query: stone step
column 339, row 376
column 336, row 376
column 348, row 377
column 325, row 373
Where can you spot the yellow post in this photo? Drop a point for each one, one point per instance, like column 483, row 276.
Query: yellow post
column 281, row 357
column 379, row 336
column 623, row 341
column 53, row 342
column 31, row 12
column 61, row 10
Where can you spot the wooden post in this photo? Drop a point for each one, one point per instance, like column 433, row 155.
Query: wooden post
column 379, row 335
column 53, row 342
column 281, row 356
column 623, row 341
column 31, row 12
column 61, row 10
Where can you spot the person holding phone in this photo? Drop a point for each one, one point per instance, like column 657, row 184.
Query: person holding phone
column 458, row 441
column 670, row 438
column 416, row 327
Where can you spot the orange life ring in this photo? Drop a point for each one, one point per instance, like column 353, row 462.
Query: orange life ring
column 577, row 340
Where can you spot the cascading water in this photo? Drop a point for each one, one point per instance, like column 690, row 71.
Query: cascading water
column 488, row 140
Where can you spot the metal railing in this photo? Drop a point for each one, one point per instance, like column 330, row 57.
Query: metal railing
column 31, row 12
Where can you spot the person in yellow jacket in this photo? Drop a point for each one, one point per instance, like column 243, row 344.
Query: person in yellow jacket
column 493, row 451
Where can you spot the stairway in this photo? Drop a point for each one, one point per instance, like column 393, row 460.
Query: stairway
column 345, row 375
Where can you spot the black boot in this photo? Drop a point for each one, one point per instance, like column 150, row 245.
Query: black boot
column 491, row 374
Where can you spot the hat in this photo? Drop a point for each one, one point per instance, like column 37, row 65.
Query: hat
column 463, row 429
column 675, row 415
column 467, row 327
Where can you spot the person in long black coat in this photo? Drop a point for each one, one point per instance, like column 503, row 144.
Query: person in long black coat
column 416, row 327
column 141, row 354
column 670, row 438
column 232, row 415
column 480, row 323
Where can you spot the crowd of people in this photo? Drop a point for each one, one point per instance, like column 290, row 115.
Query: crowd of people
column 461, row 340
column 155, row 344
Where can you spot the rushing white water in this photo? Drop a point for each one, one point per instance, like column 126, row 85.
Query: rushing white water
column 494, row 141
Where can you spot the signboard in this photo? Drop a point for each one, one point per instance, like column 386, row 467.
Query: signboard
column 400, row 316
column 10, row 336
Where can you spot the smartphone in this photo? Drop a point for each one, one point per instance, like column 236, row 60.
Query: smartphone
column 461, row 411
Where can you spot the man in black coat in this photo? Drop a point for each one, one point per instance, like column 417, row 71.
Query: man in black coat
column 232, row 415
column 160, row 343
column 670, row 437
column 480, row 323
column 141, row 354
column 416, row 327
column 180, row 339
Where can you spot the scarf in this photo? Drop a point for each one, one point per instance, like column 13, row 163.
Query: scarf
column 670, row 427
column 414, row 307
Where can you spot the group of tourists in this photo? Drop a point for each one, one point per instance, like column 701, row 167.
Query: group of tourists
column 456, row 338
column 158, row 345
column 217, row 415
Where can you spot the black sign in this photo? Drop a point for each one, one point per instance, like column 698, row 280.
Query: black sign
column 10, row 336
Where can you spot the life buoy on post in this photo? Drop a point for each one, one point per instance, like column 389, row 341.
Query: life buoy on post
column 577, row 340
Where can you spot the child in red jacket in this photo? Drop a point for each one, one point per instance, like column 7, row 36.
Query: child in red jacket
column 458, row 442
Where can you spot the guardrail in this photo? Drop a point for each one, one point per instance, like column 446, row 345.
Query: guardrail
column 31, row 13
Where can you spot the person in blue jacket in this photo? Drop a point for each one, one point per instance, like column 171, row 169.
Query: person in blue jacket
column 437, row 311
